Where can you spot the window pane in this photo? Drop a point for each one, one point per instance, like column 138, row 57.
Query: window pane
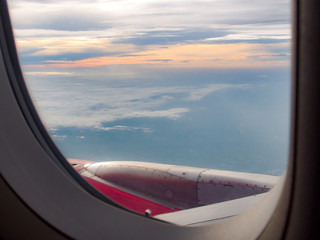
column 203, row 84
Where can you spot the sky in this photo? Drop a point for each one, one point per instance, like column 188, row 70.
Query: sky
column 134, row 69
column 190, row 34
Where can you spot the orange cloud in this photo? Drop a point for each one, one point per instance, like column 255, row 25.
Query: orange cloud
column 187, row 55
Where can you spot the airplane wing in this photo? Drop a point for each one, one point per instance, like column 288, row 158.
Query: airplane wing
column 162, row 190
column 210, row 213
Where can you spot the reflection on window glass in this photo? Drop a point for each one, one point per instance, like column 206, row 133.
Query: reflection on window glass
column 203, row 84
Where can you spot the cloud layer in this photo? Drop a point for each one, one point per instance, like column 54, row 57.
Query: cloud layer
column 69, row 34
column 87, row 105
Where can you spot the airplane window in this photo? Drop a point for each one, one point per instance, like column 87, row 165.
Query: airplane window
column 163, row 105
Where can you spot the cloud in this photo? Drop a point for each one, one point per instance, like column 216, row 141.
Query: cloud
column 170, row 36
column 63, row 102
column 182, row 56
column 140, row 17
column 49, row 73
column 255, row 33
column 200, row 93
column 86, row 34
column 59, row 137
column 124, row 128
column 55, row 15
